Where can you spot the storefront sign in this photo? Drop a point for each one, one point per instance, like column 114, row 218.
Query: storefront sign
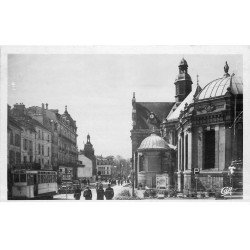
column 161, row 181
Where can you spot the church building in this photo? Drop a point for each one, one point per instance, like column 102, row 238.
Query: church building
column 89, row 152
column 202, row 131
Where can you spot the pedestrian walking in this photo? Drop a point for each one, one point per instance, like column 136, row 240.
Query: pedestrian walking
column 100, row 193
column 88, row 182
column 87, row 193
column 109, row 192
column 77, row 193
column 84, row 182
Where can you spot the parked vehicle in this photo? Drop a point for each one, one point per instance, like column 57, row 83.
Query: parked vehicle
column 66, row 187
column 31, row 184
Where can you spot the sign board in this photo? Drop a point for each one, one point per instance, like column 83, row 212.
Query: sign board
column 196, row 170
column 161, row 181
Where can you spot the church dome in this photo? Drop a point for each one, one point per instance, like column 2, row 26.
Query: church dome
column 220, row 86
column 154, row 142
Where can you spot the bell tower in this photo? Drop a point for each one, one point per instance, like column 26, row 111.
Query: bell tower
column 183, row 82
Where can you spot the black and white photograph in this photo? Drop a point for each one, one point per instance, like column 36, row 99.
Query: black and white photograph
column 124, row 125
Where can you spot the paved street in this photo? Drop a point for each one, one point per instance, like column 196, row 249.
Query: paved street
column 117, row 190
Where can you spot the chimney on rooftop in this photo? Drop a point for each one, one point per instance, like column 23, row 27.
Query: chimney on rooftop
column 46, row 106
column 19, row 109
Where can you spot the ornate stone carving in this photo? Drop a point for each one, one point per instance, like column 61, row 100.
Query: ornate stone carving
column 210, row 107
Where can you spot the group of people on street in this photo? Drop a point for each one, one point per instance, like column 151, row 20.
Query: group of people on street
column 87, row 193
column 108, row 193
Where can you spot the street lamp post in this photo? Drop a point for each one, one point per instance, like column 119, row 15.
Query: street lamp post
column 115, row 173
column 133, row 183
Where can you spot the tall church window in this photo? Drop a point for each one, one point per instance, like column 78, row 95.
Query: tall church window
column 140, row 163
column 177, row 89
column 209, row 149
column 182, row 152
column 186, row 152
column 179, row 156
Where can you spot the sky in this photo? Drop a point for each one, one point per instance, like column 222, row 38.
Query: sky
column 98, row 89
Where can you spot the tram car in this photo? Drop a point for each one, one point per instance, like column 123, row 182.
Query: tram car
column 32, row 184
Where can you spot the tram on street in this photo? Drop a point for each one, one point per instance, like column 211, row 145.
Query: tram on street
column 32, row 184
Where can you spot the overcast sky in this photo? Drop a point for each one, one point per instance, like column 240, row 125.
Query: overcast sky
column 98, row 88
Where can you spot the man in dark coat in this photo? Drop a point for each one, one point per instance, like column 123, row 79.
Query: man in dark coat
column 77, row 192
column 100, row 193
column 109, row 192
column 84, row 182
column 87, row 194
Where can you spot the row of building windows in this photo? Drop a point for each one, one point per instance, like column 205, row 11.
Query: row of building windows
column 15, row 158
column 42, row 178
column 103, row 168
column 41, row 150
column 68, row 134
column 41, row 136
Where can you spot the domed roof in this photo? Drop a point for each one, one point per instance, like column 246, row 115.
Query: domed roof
column 154, row 142
column 220, row 86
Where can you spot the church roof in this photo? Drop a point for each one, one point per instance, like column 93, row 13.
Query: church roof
column 154, row 142
column 143, row 110
column 189, row 99
column 220, row 86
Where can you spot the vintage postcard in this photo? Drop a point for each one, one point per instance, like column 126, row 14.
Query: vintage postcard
column 124, row 123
